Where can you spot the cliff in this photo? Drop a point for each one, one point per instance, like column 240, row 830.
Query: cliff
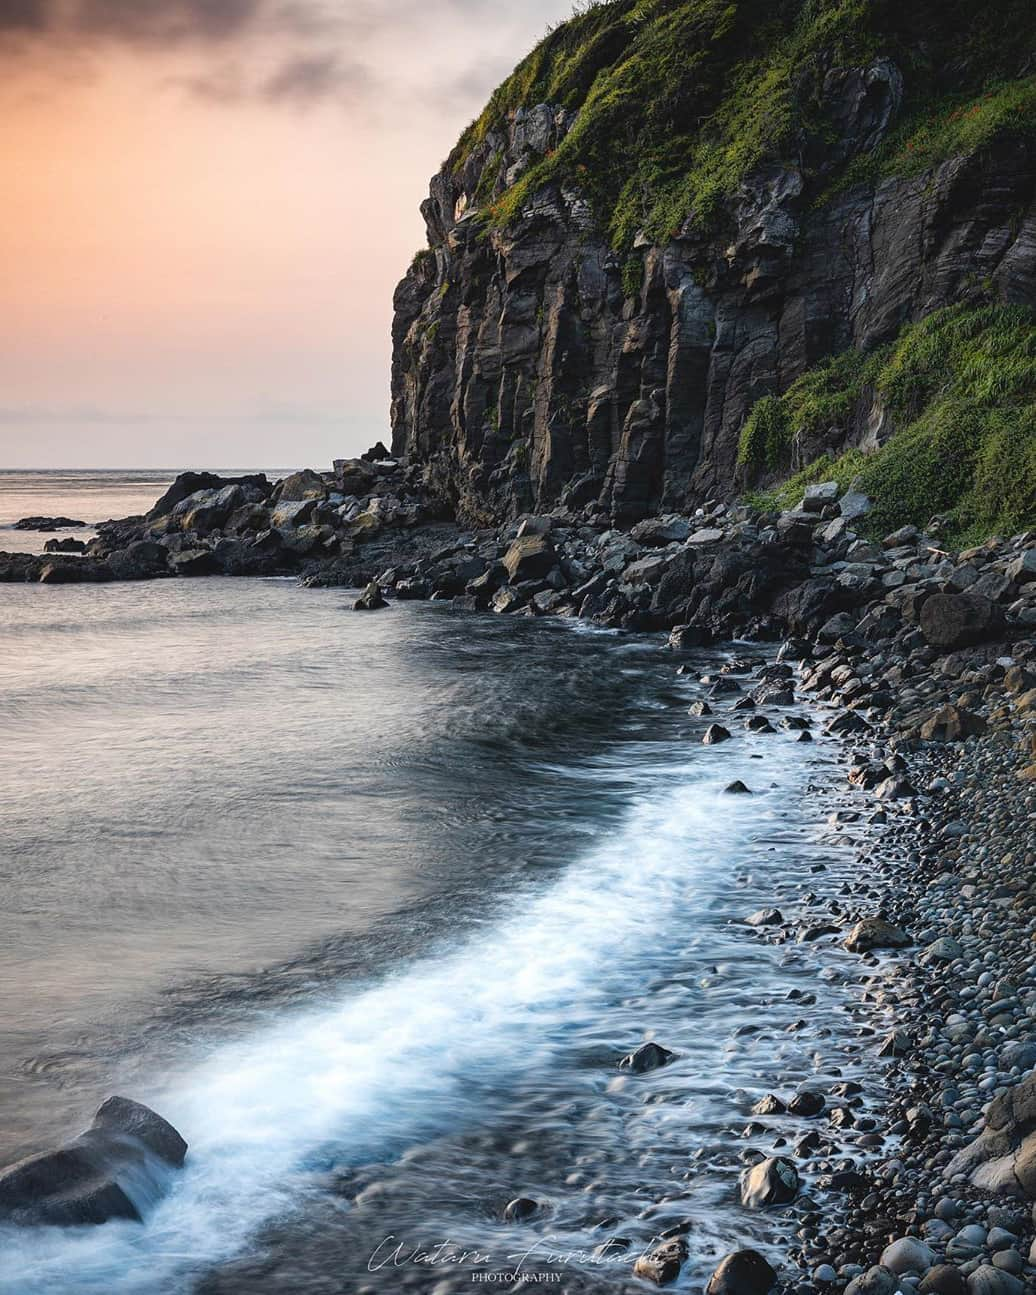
column 673, row 217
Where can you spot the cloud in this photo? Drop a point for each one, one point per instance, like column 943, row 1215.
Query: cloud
column 23, row 15
column 309, row 79
column 295, row 54
column 165, row 22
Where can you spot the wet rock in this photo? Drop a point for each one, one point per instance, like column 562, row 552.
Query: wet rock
column 875, row 933
column 69, row 545
column 370, row 600
column 765, row 917
column 774, row 1181
column 649, row 1056
column 737, row 788
column 193, row 562
column 771, row 1104
column 715, row 734
column 806, row 1103
column 122, row 1158
column 662, row 1265
column 48, row 524
column 521, row 1209
column 745, row 1272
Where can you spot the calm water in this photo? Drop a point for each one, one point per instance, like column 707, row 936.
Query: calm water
column 84, row 496
column 369, row 907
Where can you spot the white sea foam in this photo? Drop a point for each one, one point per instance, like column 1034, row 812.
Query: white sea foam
column 399, row 1058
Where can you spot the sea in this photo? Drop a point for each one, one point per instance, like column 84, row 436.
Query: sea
column 370, row 907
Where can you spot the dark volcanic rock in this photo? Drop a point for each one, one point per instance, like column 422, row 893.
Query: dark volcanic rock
column 649, row 1056
column 370, row 600
column 48, row 524
column 774, row 1181
column 957, row 620
column 108, row 1172
column 745, row 1272
column 662, row 1264
column 65, row 546
column 527, row 371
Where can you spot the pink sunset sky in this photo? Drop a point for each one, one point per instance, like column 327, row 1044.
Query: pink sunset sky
column 207, row 205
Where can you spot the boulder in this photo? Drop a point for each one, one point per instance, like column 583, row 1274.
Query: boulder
column 1002, row 1159
column 951, row 621
column 371, row 599
column 142, row 560
column 987, row 1280
column 745, row 1272
column 907, row 1255
column 193, row 562
column 656, row 532
column 112, row 1171
column 521, row 1209
column 649, row 1056
column 69, row 545
column 354, row 476
column 817, row 497
column 662, row 1265
column 944, row 1279
column 854, row 505
column 530, row 558
column 807, row 1103
column 875, row 1281
column 688, row 636
column 774, row 1181
column 301, row 485
column 715, row 734
column 1023, row 570
column 952, row 724
column 48, row 524
column 875, row 933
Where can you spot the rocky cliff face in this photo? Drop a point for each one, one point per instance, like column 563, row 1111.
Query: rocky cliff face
column 526, row 374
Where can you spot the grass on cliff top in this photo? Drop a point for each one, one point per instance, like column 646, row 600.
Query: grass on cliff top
column 961, row 389
column 678, row 100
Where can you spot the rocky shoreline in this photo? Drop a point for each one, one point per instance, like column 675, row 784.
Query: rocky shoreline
column 927, row 663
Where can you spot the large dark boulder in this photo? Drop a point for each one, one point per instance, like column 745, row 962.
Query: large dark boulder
column 189, row 483
column 951, row 621
column 48, row 524
column 114, row 1170
column 530, row 558
column 142, row 560
column 745, row 1272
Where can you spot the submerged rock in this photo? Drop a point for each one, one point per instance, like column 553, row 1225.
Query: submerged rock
column 521, row 1209
column 650, row 1056
column 111, row 1171
column 370, row 600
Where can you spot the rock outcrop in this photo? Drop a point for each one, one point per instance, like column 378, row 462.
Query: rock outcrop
column 114, row 1170
column 531, row 368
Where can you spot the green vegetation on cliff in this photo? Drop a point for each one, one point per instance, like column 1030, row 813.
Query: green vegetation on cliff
column 678, row 100
column 961, row 389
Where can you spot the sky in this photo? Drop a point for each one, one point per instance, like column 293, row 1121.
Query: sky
column 206, row 207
